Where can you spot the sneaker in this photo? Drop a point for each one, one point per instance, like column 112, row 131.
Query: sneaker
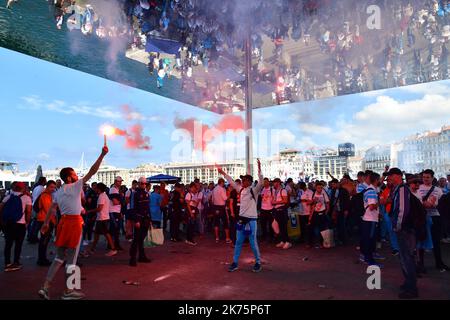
column 16, row 266
column 445, row 240
column 73, row 295
column 8, row 267
column 395, row 253
column 111, row 253
column 144, row 260
column 133, row 263
column 173, row 240
column 228, row 241
column 192, row 243
column 85, row 243
column 408, row 295
column 280, row 245
column 287, row 245
column 377, row 256
column 43, row 294
column 257, row 268
column 443, row 268
column 362, row 258
column 217, row 240
column 233, row 267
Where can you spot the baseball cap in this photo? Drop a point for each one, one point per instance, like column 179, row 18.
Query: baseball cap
column 248, row 177
column 20, row 185
column 395, row 171
column 118, row 178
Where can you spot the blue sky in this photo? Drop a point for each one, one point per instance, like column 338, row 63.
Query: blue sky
column 51, row 115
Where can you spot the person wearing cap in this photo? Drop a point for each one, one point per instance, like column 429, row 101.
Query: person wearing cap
column 280, row 202
column 115, row 208
column 70, row 227
column 219, row 198
column 405, row 232
column 15, row 230
column 248, row 216
column 141, row 218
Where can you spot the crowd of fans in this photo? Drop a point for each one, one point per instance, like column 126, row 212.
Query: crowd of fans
column 317, row 214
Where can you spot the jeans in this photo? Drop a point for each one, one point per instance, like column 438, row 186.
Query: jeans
column 240, row 235
column 368, row 240
column 281, row 215
column 165, row 212
column 341, row 227
column 14, row 235
column 320, row 221
column 33, row 231
column 44, row 241
column 392, row 235
column 139, row 235
column 190, row 229
column 266, row 219
column 115, row 227
column 407, row 245
column 304, row 228
column 175, row 219
column 436, row 235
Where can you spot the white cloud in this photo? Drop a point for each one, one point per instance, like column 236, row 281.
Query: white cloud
column 312, row 128
column 439, row 88
column 44, row 157
column 388, row 120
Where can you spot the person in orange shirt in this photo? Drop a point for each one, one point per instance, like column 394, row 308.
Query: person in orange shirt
column 45, row 202
column 386, row 205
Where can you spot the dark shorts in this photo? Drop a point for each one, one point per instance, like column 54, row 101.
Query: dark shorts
column 220, row 214
column 102, row 227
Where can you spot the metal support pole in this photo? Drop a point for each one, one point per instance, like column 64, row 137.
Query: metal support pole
column 248, row 106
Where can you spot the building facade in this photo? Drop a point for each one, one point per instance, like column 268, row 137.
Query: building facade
column 329, row 161
column 377, row 158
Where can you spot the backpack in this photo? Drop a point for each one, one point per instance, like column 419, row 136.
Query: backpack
column 13, row 209
column 357, row 203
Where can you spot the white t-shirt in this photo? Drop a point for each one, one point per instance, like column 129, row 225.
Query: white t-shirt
column 436, row 194
column 291, row 192
column 322, row 199
column 219, row 196
column 371, row 197
column 68, row 198
column 191, row 199
column 112, row 207
column 26, row 201
column 104, row 213
column 37, row 192
column 128, row 195
column 199, row 196
column 306, row 195
column 266, row 197
column 278, row 196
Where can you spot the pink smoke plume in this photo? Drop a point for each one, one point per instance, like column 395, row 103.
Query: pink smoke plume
column 202, row 134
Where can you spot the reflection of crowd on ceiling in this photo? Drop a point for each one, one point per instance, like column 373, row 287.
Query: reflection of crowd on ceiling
column 411, row 47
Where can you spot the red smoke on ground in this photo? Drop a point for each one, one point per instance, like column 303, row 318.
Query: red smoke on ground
column 196, row 128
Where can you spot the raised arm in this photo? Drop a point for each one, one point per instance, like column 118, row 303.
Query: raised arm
column 260, row 184
column 96, row 165
column 229, row 179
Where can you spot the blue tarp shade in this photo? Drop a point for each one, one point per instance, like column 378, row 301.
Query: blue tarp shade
column 162, row 45
column 163, row 178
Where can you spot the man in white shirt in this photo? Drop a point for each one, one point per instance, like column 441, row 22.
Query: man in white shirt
column 102, row 221
column 248, row 216
column 115, row 208
column 370, row 220
column 219, row 198
column 320, row 205
column 16, row 210
column 266, row 212
column 430, row 198
column 305, row 203
column 70, row 227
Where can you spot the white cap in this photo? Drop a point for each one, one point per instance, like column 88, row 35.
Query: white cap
column 118, row 178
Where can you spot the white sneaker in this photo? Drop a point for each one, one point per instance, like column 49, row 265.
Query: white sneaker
column 280, row 245
column 85, row 243
column 111, row 253
column 287, row 245
column 192, row 243
column 446, row 240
